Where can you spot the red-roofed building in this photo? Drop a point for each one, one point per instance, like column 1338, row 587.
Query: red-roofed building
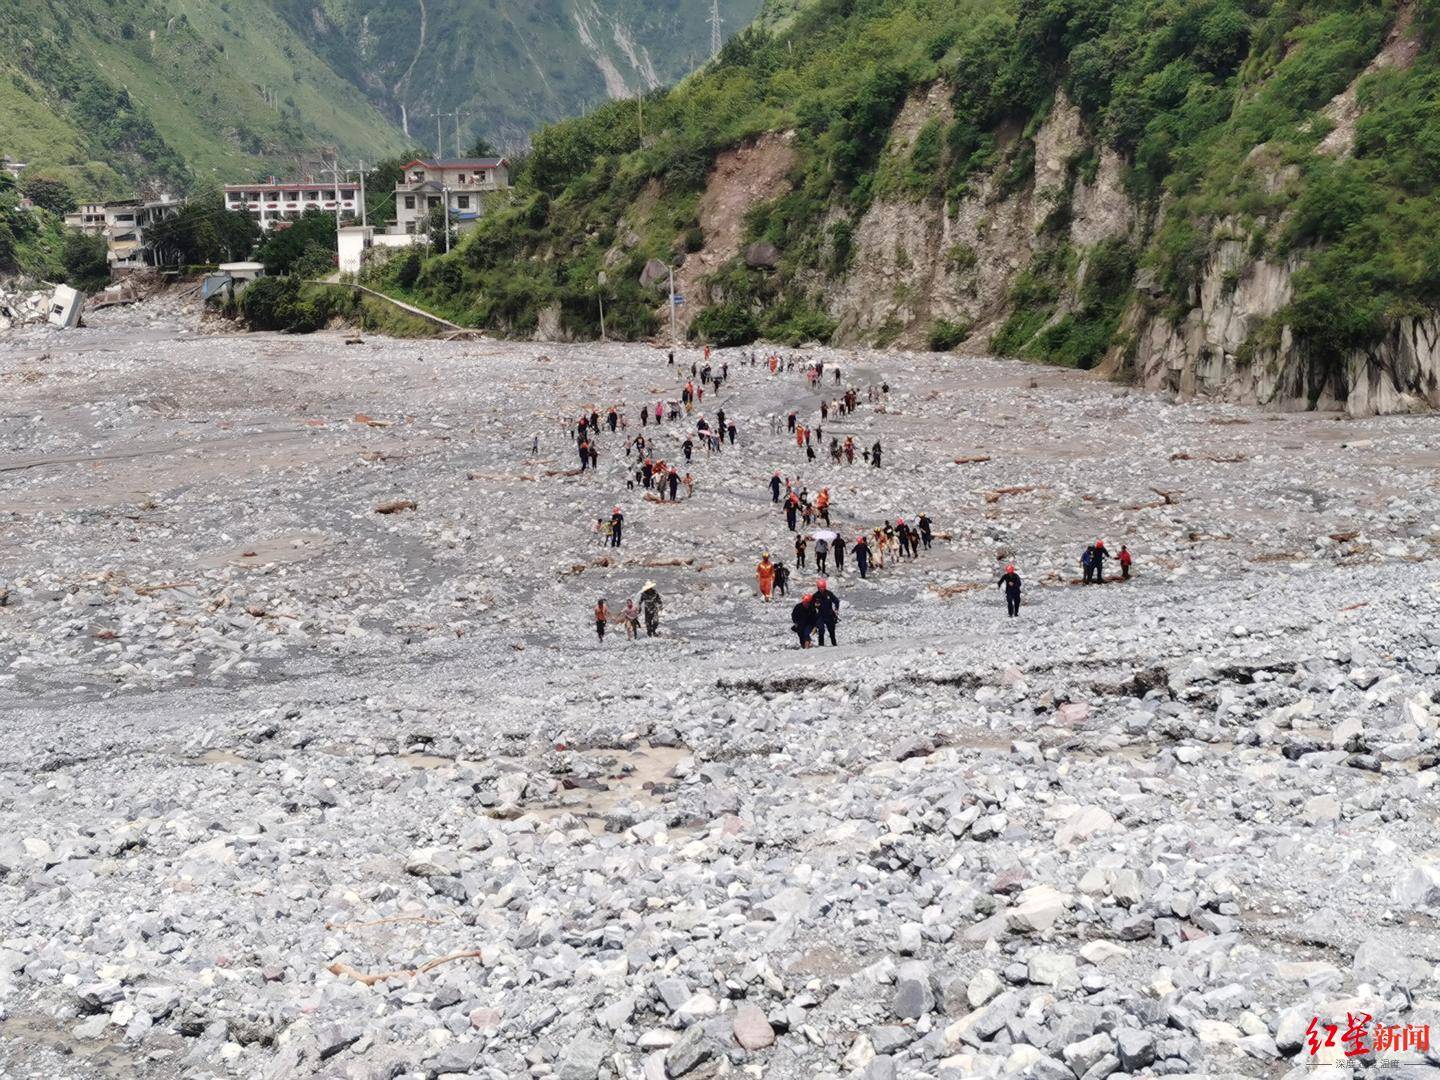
column 466, row 184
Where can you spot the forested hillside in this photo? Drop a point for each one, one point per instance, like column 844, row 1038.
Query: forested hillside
column 184, row 93
column 1224, row 196
column 169, row 93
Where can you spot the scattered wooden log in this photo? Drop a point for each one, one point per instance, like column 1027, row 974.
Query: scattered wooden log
column 999, row 493
column 385, row 976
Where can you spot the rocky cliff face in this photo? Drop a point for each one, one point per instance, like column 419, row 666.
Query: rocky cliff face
column 920, row 262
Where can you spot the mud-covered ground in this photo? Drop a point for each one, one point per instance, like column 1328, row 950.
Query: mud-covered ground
column 262, row 743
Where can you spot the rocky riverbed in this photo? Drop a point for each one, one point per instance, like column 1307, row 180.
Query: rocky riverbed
column 298, row 788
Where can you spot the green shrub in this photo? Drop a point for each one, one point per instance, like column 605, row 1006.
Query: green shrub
column 287, row 304
column 86, row 266
column 945, row 335
column 799, row 325
column 725, row 325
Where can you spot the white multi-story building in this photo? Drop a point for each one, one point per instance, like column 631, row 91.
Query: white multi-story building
column 467, row 185
column 276, row 203
column 125, row 225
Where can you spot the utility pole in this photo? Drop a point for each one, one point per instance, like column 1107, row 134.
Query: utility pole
column 363, row 219
column 439, row 138
column 334, row 171
column 445, row 198
column 715, row 39
column 641, row 101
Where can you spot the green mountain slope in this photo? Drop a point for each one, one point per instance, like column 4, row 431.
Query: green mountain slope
column 170, row 93
column 506, row 66
column 1228, row 196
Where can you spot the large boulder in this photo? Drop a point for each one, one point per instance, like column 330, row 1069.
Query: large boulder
column 656, row 273
column 762, row 256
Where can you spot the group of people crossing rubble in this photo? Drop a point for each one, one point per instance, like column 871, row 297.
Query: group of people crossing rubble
column 816, row 611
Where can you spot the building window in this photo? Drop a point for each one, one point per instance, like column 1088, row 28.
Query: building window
column 409, row 202
column 463, row 202
column 434, row 201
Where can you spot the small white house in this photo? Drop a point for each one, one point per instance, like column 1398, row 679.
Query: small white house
column 354, row 241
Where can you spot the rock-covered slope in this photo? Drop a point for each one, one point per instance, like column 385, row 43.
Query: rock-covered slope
column 1216, row 199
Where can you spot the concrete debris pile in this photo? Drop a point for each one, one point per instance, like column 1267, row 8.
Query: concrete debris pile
column 20, row 306
column 299, row 788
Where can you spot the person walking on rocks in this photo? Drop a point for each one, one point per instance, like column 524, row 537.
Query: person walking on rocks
column 1087, row 563
column 822, row 552
column 1098, row 561
column 800, row 550
column 1010, row 582
column 782, row 579
column 837, row 549
column 674, row 483
column 875, row 454
column 630, row 616
column 765, row 576
column 617, row 523
column 903, row 532
column 827, row 610
column 602, row 616
column 1125, row 561
column 861, row 551
column 775, row 487
column 650, row 604
column 924, row 524
column 792, row 509
column 802, row 620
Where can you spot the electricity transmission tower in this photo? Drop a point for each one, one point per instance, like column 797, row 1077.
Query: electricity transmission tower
column 715, row 39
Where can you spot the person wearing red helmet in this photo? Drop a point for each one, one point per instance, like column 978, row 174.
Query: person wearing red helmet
column 1098, row 561
column 802, row 619
column 827, row 610
column 1010, row 582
